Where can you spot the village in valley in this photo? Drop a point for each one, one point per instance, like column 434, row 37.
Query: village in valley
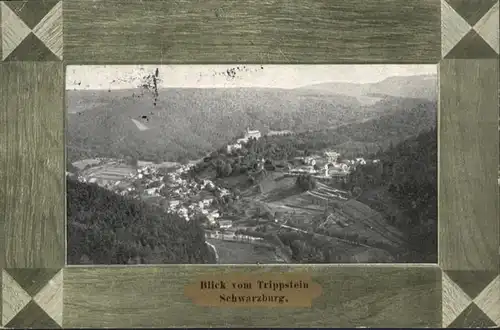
column 241, row 213
column 209, row 164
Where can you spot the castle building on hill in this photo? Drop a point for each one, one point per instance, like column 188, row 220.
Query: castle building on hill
column 252, row 134
column 248, row 135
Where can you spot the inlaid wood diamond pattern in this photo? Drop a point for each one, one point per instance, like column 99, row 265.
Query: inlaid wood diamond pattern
column 469, row 29
column 470, row 299
column 488, row 27
column 489, row 300
column 31, row 30
column 32, row 298
column 14, row 298
column 455, row 301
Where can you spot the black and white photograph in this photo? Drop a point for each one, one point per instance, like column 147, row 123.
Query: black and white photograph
column 251, row 164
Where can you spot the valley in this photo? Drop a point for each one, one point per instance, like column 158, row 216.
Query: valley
column 267, row 175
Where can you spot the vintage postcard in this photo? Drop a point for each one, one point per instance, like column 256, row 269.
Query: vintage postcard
column 251, row 164
column 195, row 164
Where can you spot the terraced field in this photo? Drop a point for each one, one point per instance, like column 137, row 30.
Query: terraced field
column 81, row 164
column 110, row 172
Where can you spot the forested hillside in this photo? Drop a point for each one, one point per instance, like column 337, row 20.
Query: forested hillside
column 106, row 228
column 351, row 140
column 189, row 123
column 403, row 186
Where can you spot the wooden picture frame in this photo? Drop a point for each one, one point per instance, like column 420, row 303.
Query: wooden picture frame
column 39, row 38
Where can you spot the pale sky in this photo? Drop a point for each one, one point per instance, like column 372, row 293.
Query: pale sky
column 97, row 77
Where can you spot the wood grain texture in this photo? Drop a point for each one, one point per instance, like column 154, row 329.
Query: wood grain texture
column 468, row 157
column 50, row 298
column 370, row 296
column 489, row 300
column 275, row 31
column 50, row 30
column 488, row 27
column 1, row 37
column 454, row 301
column 3, row 193
column 14, row 298
column 453, row 28
column 32, row 151
column 14, row 32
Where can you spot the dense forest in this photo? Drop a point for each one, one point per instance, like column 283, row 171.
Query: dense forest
column 407, row 175
column 351, row 140
column 186, row 124
column 106, row 228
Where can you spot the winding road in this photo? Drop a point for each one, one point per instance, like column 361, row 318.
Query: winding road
column 215, row 251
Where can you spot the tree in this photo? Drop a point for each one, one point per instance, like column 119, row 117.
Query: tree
column 356, row 191
column 131, row 161
column 236, row 169
column 227, row 170
column 306, row 182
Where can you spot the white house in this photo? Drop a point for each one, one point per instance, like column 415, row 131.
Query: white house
column 151, row 191
column 361, row 161
column 206, row 183
column 233, row 147
column 224, row 192
column 211, row 218
column 252, row 134
column 207, row 201
column 309, row 161
column 183, row 212
column 341, row 167
column 174, row 203
column 225, row 223
column 332, row 156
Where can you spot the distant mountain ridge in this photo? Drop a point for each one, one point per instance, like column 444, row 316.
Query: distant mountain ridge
column 420, row 86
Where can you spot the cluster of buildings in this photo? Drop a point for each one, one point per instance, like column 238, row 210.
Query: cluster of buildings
column 249, row 134
column 326, row 165
column 188, row 198
column 176, row 194
column 188, row 204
